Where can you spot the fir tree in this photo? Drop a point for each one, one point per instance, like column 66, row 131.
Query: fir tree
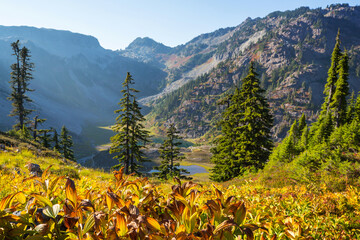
column 171, row 156
column 332, row 77
column 44, row 138
column 55, row 140
column 303, row 143
column 301, row 125
column 245, row 142
column 350, row 112
column 35, row 129
column 357, row 108
column 129, row 130
column 66, row 144
column 338, row 105
column 20, row 77
column 139, row 138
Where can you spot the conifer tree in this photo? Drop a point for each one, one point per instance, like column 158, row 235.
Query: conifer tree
column 357, row 108
column 245, row 142
column 338, row 105
column 35, row 129
column 129, row 130
column 303, row 143
column 332, row 77
column 139, row 138
column 55, row 140
column 287, row 149
column 20, row 77
column 66, row 144
column 301, row 125
column 350, row 112
column 44, row 138
column 171, row 156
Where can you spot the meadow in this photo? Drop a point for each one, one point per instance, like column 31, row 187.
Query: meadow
column 71, row 202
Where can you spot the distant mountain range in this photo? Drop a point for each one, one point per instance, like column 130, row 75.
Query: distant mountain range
column 78, row 83
column 292, row 50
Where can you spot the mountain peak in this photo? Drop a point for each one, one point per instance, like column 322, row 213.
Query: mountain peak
column 150, row 43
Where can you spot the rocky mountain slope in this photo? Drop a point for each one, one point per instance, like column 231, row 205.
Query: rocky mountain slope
column 76, row 81
column 292, row 50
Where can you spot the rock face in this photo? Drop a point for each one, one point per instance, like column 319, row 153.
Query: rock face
column 292, row 50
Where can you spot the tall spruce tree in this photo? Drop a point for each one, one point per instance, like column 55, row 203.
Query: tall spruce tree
column 20, row 78
column 171, row 156
column 350, row 112
column 339, row 104
column 55, row 140
column 129, row 130
column 139, row 138
column 332, row 77
column 245, row 142
column 66, row 144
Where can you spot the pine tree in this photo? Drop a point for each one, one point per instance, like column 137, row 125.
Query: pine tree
column 287, row 149
column 171, row 156
column 302, row 124
column 357, row 108
column 332, row 77
column 139, row 138
column 129, row 130
column 35, row 129
column 350, row 111
column 20, row 77
column 66, row 144
column 338, row 105
column 44, row 138
column 303, row 143
column 55, row 140
column 245, row 142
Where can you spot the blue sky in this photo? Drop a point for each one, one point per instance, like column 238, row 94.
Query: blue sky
column 116, row 23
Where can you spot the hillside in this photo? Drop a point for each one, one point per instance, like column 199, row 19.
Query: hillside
column 66, row 201
column 292, row 50
column 77, row 82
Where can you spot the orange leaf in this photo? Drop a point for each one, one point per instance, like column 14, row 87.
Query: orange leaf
column 70, row 191
column 121, row 224
column 153, row 223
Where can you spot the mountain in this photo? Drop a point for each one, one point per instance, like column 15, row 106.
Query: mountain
column 77, row 82
column 292, row 51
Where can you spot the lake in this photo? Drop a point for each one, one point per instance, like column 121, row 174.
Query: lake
column 191, row 168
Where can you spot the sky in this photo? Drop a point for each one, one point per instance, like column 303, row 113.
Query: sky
column 116, row 23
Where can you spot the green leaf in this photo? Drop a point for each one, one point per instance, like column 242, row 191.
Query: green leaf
column 90, row 221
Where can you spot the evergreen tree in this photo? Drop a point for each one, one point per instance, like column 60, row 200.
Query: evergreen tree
column 350, row 112
column 301, row 125
column 20, row 77
column 245, row 142
column 332, row 77
column 303, row 143
column 129, row 130
column 35, row 129
column 357, row 108
column 66, row 144
column 287, row 149
column 338, row 105
column 55, row 140
column 171, row 156
column 44, row 138
column 139, row 138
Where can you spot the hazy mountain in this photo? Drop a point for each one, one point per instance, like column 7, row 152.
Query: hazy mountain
column 76, row 81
